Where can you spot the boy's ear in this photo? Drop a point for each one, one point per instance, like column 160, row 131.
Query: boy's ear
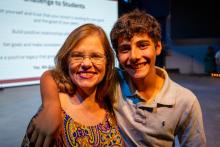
column 158, row 48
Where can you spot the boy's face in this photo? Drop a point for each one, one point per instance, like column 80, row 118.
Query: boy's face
column 138, row 55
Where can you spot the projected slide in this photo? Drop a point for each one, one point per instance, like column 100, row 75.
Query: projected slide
column 32, row 31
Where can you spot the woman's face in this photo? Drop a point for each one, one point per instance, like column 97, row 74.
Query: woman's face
column 87, row 63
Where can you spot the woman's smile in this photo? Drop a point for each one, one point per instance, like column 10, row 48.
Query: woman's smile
column 86, row 74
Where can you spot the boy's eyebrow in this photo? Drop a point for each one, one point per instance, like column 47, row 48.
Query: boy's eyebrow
column 140, row 41
column 124, row 43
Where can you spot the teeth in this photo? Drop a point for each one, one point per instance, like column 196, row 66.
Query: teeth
column 84, row 74
column 138, row 66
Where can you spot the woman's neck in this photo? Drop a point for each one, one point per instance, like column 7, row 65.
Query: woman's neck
column 85, row 100
column 85, row 94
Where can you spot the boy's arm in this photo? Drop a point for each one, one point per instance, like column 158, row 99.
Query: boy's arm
column 193, row 133
column 44, row 127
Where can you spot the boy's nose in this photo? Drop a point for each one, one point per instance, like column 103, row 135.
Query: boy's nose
column 135, row 54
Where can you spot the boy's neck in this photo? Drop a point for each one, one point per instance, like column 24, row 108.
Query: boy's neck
column 149, row 87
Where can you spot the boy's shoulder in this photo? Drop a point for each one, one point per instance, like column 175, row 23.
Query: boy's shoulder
column 184, row 96
column 175, row 90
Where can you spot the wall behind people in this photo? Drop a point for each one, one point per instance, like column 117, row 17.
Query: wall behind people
column 192, row 26
column 187, row 59
column 33, row 30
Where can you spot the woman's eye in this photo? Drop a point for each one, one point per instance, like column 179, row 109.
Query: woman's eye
column 95, row 56
column 75, row 55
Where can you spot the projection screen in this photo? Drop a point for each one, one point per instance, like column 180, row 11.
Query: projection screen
column 32, row 31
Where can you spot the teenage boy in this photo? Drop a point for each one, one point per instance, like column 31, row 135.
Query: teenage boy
column 150, row 108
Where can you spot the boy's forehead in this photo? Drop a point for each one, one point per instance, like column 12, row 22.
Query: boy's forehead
column 123, row 40
column 136, row 37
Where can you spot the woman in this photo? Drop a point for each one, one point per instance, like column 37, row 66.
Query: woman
column 86, row 90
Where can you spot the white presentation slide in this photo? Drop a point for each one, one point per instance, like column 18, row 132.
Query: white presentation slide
column 32, row 31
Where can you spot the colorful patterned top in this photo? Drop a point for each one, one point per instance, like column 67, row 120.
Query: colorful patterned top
column 75, row 134
column 103, row 134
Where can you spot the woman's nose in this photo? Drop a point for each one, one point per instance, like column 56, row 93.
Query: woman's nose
column 86, row 62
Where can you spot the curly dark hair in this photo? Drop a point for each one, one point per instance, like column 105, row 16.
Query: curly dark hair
column 133, row 23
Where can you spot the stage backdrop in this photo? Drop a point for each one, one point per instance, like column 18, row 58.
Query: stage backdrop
column 32, row 31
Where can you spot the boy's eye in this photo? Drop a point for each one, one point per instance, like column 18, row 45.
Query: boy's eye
column 124, row 49
column 142, row 45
